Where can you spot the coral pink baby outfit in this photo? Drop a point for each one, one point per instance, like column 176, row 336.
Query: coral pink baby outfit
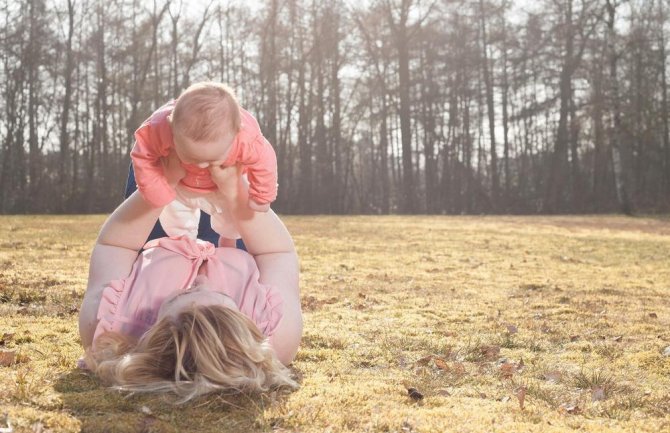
column 168, row 266
column 153, row 140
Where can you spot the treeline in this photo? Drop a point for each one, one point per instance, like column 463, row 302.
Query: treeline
column 387, row 106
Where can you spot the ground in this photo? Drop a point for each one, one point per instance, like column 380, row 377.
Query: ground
column 412, row 324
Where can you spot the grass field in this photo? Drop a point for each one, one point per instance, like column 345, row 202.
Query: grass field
column 493, row 324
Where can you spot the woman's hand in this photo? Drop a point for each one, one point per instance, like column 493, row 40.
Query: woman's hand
column 229, row 181
column 234, row 187
column 172, row 168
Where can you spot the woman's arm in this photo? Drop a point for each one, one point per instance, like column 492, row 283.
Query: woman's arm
column 122, row 236
column 268, row 240
column 263, row 232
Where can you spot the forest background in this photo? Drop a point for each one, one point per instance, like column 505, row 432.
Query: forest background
column 384, row 106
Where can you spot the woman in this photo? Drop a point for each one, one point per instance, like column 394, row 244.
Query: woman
column 187, row 317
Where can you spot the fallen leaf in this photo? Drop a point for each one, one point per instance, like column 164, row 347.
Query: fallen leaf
column 407, row 427
column 521, row 395
column 145, row 410
column 441, row 364
column 20, row 357
column 511, row 329
column 421, row 371
column 553, row 376
column 597, row 393
column 6, row 338
column 273, row 397
column 310, row 303
column 147, row 422
column 7, row 423
column 490, row 352
column 571, row 409
column 458, row 368
column 507, row 370
column 7, row 357
column 425, row 360
column 414, row 394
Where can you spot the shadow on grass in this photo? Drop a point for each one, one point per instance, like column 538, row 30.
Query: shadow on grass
column 102, row 409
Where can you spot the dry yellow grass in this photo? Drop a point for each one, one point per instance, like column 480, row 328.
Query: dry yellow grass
column 577, row 306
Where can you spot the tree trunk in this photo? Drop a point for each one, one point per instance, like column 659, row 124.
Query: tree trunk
column 488, row 81
column 65, row 113
column 32, row 61
column 664, row 107
column 401, row 39
column 620, row 157
column 556, row 186
column 505, row 119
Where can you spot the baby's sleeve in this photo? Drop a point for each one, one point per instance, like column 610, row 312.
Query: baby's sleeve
column 258, row 158
column 146, row 156
column 261, row 167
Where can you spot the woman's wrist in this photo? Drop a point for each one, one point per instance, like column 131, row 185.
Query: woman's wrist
column 236, row 201
column 233, row 190
column 263, row 232
column 130, row 223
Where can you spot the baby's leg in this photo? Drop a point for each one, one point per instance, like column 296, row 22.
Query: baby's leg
column 219, row 217
column 180, row 217
column 221, row 224
column 221, row 220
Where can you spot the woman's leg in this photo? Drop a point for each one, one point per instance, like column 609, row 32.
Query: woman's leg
column 205, row 231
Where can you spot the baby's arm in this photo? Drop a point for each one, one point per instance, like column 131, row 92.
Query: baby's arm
column 255, row 153
column 263, row 177
column 146, row 155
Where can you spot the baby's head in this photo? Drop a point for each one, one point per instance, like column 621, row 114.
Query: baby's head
column 204, row 121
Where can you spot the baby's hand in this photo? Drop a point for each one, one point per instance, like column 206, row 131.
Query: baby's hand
column 258, row 207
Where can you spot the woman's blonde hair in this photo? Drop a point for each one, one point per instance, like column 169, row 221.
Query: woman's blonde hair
column 203, row 349
column 206, row 110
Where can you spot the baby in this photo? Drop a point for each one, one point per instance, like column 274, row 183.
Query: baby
column 204, row 126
